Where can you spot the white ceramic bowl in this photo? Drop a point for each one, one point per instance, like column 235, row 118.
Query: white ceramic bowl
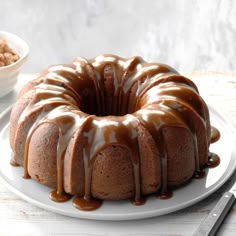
column 9, row 74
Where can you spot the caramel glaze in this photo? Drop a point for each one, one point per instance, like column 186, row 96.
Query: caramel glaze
column 138, row 202
column 213, row 160
column 86, row 205
column 108, row 98
column 165, row 195
column 215, row 134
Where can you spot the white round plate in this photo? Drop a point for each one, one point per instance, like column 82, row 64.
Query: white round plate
column 185, row 196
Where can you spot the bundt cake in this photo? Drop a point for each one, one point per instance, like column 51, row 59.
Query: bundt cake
column 110, row 128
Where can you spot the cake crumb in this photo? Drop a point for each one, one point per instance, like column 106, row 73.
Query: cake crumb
column 7, row 55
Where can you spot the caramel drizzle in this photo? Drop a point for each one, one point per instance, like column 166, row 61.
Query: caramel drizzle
column 215, row 134
column 94, row 77
column 67, row 122
column 185, row 101
column 183, row 110
column 42, row 102
column 143, row 72
column 153, row 119
column 100, row 132
column 99, row 66
column 41, row 115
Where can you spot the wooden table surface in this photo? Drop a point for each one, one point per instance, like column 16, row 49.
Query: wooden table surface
column 18, row 217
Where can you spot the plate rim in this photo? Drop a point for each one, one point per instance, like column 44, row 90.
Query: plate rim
column 95, row 215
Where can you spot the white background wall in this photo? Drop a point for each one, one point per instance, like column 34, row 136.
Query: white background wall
column 190, row 35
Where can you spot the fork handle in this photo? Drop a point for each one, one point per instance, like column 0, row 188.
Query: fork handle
column 212, row 222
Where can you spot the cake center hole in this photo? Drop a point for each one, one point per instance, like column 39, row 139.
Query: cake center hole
column 107, row 97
